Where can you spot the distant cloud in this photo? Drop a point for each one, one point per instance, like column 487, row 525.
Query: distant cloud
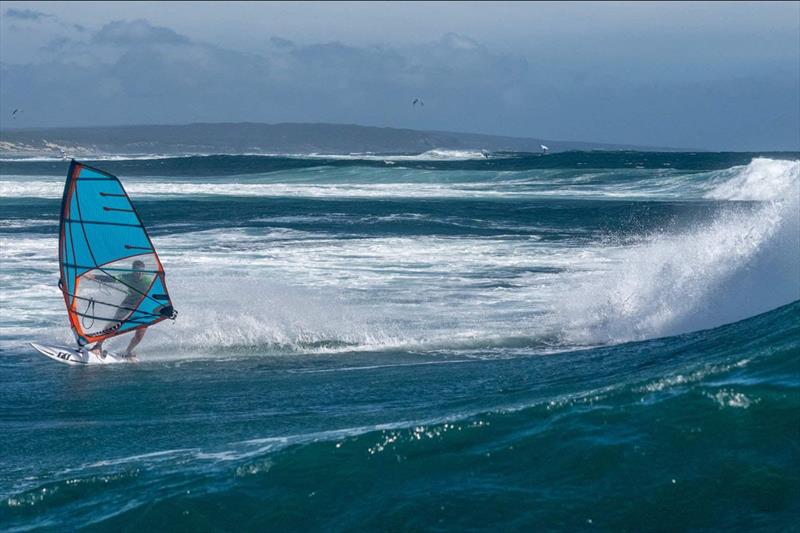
column 460, row 42
column 137, row 32
column 133, row 71
column 56, row 45
column 281, row 43
column 27, row 14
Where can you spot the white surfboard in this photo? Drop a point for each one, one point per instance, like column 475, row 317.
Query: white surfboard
column 71, row 356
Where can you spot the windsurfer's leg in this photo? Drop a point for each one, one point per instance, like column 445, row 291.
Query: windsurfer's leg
column 98, row 348
column 138, row 335
column 121, row 313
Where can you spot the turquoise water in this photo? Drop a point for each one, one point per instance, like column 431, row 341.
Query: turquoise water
column 440, row 342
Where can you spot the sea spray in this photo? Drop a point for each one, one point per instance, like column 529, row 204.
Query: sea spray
column 742, row 262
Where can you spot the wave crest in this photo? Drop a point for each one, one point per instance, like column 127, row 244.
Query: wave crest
column 763, row 179
column 740, row 264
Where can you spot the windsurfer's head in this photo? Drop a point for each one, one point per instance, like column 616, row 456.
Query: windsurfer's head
column 138, row 266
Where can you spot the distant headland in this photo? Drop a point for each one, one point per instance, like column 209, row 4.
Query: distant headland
column 260, row 138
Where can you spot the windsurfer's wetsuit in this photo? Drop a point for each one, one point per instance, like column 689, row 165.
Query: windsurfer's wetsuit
column 136, row 284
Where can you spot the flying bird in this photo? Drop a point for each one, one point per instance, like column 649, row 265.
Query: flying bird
column 418, row 101
column 13, row 113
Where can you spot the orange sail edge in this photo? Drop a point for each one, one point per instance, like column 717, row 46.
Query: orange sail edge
column 85, row 338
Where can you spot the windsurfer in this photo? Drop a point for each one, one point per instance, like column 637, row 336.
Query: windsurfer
column 136, row 284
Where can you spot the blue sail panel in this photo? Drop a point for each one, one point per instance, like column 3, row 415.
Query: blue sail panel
column 111, row 276
column 151, row 305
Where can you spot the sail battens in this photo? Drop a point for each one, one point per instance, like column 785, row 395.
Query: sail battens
column 81, row 298
column 90, row 267
column 103, row 222
column 145, row 317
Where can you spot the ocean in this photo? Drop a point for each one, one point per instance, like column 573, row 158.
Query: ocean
column 449, row 341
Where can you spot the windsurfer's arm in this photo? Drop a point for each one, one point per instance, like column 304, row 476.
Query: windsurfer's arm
column 100, row 277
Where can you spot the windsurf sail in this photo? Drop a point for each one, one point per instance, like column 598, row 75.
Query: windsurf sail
column 111, row 276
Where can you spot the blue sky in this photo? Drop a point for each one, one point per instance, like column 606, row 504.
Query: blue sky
column 709, row 75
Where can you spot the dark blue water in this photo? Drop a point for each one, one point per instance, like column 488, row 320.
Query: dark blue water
column 568, row 343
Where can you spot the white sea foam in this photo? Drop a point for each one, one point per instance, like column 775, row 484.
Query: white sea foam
column 273, row 290
column 94, row 157
column 54, row 189
column 287, row 291
column 391, row 183
column 743, row 262
column 437, row 154
column 730, row 398
column 763, row 179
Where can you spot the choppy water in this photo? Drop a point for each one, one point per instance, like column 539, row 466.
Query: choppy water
column 453, row 341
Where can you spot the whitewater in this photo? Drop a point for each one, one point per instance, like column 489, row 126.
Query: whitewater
column 511, row 283
column 441, row 320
